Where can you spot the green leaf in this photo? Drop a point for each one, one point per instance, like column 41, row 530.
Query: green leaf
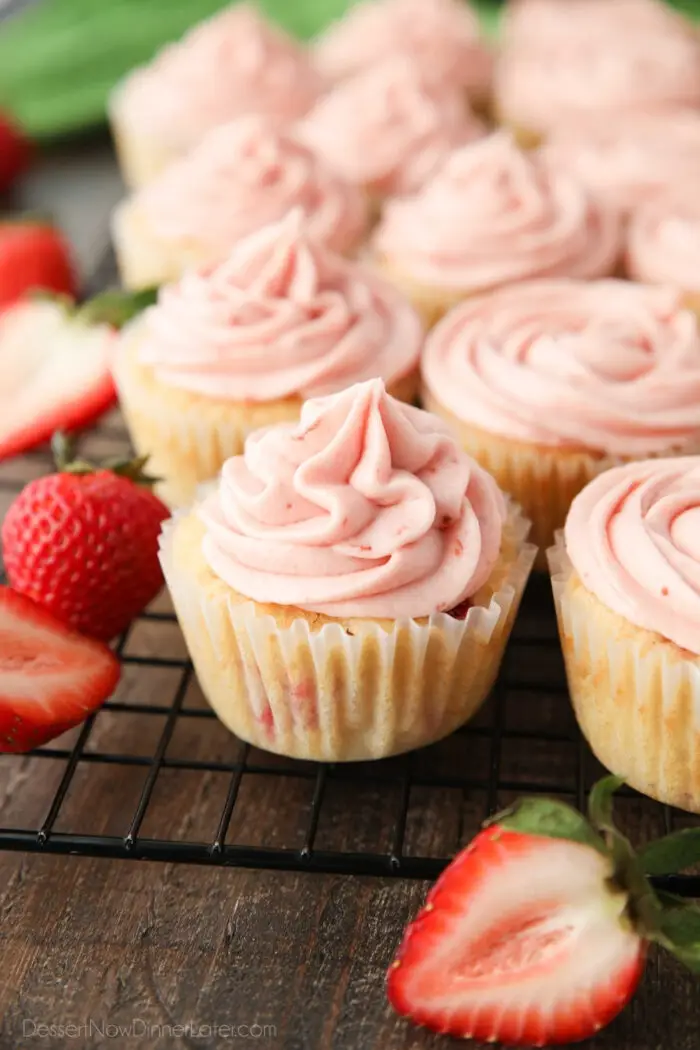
column 679, row 931
column 115, row 307
column 550, row 818
column 600, row 802
column 672, row 853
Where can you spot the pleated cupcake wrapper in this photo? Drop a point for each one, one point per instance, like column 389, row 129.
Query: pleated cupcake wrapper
column 140, row 159
column 145, row 260
column 343, row 692
column 636, row 695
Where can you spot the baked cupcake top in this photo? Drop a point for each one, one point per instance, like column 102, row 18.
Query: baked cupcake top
column 663, row 240
column 282, row 316
column 633, row 537
column 442, row 37
column 228, row 65
column 610, row 366
column 366, row 507
column 591, row 74
column 242, row 176
column 493, row 214
column 628, row 161
column 389, row 127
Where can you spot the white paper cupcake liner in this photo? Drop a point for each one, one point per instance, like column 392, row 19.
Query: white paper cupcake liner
column 344, row 691
column 635, row 694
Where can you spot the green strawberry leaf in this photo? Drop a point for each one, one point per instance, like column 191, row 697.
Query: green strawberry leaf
column 600, row 802
column 679, row 930
column 115, row 307
column 550, row 818
column 672, row 853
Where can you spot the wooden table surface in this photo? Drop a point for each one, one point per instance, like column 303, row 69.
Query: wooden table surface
column 270, row 958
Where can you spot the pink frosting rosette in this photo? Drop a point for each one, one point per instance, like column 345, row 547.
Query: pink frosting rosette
column 663, row 240
column 607, row 365
column 534, row 23
column 231, row 64
column 441, row 37
column 365, row 508
column 242, row 176
column 492, row 215
column 388, row 128
column 281, row 316
column 631, row 160
column 633, row 537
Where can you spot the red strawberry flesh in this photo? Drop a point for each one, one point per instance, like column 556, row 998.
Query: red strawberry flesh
column 51, row 678
column 521, row 940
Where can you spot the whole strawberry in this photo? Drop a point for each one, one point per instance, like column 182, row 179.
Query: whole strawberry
column 33, row 255
column 83, row 543
column 15, row 153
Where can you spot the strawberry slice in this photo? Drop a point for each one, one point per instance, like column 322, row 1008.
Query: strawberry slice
column 536, row 934
column 51, row 678
column 55, row 365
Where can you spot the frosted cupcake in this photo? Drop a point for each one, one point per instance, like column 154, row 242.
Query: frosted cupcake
column 544, row 382
column 626, row 578
column 534, row 23
column 599, row 61
column 388, row 128
column 629, row 161
column 233, row 347
column 348, row 590
column 663, row 243
column 241, row 177
column 492, row 215
column 441, row 38
column 229, row 65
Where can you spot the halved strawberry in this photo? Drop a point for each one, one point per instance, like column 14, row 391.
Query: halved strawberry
column 536, row 934
column 55, row 366
column 51, row 678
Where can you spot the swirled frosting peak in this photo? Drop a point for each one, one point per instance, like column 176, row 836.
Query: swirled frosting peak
column 633, row 537
column 388, row 128
column 441, row 37
column 493, row 214
column 228, row 65
column 367, row 507
column 606, row 365
column 242, row 176
column 281, row 316
column 663, row 239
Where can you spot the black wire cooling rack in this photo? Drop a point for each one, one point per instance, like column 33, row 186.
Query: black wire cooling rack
column 155, row 776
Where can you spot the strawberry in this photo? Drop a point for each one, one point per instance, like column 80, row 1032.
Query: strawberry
column 54, row 365
column 83, row 543
column 51, row 678
column 536, row 934
column 15, row 153
column 33, row 255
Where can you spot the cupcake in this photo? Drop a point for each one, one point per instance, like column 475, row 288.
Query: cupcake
column 545, row 382
column 626, row 578
column 232, row 64
column 663, row 243
column 602, row 60
column 347, row 590
column 630, row 161
column 534, row 23
column 441, row 37
column 241, row 177
column 492, row 215
column 389, row 127
column 234, row 347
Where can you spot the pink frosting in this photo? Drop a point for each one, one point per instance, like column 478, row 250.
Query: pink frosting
column 242, row 176
column 663, row 240
column 228, row 65
column 281, row 316
column 608, row 365
column 633, row 537
column 630, row 160
column 388, row 128
column 598, row 69
column 442, row 37
column 493, row 214
column 367, row 507
column 534, row 23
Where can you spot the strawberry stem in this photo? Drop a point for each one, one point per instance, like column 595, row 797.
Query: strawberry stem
column 63, row 449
